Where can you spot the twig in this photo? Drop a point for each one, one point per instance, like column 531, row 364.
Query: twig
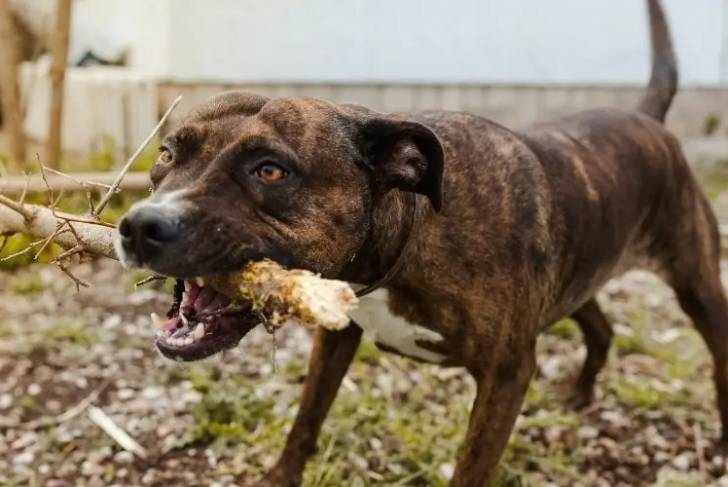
column 84, row 184
column 77, row 219
column 24, row 251
column 112, row 190
column 5, row 242
column 49, row 239
column 115, row 432
column 45, row 180
column 148, row 279
column 81, row 182
column 15, row 206
column 61, row 418
column 79, row 283
column 69, row 253
column 25, row 189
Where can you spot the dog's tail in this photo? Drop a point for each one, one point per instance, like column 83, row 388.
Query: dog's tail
column 663, row 80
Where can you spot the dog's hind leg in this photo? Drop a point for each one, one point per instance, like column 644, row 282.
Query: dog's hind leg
column 331, row 356
column 597, row 334
column 705, row 303
column 693, row 271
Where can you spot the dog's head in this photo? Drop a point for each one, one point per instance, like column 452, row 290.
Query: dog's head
column 291, row 179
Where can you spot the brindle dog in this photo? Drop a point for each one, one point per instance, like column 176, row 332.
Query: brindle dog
column 494, row 235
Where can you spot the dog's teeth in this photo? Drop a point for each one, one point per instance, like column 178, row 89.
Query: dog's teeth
column 188, row 341
column 199, row 331
column 200, row 281
column 184, row 319
column 188, row 286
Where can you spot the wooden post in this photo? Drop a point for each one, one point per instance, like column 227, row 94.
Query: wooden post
column 9, row 89
column 58, row 75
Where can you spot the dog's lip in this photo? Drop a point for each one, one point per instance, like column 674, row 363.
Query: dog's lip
column 201, row 322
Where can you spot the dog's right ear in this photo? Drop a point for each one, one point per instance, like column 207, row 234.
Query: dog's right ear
column 404, row 154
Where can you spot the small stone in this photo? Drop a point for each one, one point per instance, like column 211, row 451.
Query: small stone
column 447, row 470
column 149, row 477
column 112, row 321
column 587, row 433
column 124, row 457
column 152, row 392
column 6, row 400
column 57, row 483
column 125, row 394
column 54, row 405
column 24, row 458
column 34, row 389
column 661, row 457
column 553, row 434
column 682, row 462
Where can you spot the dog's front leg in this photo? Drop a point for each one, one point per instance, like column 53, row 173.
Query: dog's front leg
column 501, row 388
column 332, row 353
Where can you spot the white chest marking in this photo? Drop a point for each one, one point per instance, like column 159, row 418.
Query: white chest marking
column 380, row 325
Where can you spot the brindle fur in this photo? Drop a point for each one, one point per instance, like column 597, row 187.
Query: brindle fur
column 532, row 224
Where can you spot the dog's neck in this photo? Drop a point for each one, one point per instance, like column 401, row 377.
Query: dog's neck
column 394, row 224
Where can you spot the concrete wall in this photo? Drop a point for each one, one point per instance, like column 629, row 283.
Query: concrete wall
column 397, row 41
column 513, row 106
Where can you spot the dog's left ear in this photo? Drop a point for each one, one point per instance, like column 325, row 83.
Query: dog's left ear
column 406, row 155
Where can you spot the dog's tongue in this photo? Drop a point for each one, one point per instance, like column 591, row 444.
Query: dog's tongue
column 169, row 325
column 198, row 300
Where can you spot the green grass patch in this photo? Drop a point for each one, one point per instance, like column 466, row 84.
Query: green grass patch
column 73, row 332
column 566, row 329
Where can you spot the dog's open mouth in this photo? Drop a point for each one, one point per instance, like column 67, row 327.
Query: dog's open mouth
column 201, row 322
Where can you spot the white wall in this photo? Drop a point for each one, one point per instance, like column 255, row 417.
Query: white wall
column 427, row 41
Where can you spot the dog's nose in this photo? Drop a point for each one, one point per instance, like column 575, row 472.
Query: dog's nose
column 147, row 229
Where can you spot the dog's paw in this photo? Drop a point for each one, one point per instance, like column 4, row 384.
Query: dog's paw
column 580, row 399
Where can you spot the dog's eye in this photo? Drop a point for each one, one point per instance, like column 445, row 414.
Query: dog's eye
column 270, row 173
column 165, row 156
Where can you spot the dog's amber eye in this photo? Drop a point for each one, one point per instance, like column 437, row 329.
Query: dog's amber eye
column 165, row 157
column 270, row 172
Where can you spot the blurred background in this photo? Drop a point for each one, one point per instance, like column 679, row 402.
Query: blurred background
column 83, row 83
column 515, row 62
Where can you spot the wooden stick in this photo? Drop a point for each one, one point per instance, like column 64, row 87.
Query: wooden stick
column 11, row 106
column 115, row 432
column 58, row 76
column 45, row 421
column 72, row 182
column 120, row 177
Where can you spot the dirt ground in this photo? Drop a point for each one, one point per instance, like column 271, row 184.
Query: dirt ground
column 394, row 423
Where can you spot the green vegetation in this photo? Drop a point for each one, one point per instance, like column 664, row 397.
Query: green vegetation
column 711, row 124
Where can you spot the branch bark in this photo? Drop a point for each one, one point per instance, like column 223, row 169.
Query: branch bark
column 42, row 222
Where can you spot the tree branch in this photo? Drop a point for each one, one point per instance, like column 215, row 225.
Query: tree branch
column 41, row 223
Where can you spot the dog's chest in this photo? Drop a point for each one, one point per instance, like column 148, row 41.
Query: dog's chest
column 383, row 327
